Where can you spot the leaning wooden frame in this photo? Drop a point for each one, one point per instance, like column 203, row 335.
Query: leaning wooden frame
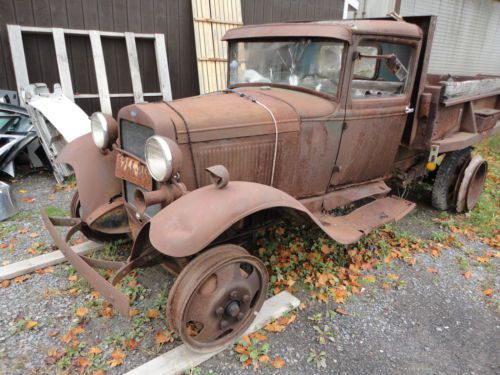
column 21, row 71
column 192, row 181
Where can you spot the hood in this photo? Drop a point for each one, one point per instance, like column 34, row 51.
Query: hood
column 230, row 115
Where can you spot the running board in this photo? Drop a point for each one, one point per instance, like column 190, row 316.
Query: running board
column 350, row 228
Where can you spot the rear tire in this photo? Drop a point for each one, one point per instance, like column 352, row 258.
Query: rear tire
column 448, row 177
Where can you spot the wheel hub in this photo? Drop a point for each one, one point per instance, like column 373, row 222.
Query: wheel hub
column 233, row 309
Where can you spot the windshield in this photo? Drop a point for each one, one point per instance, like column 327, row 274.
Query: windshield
column 314, row 64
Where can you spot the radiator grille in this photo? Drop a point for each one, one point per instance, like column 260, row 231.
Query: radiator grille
column 133, row 137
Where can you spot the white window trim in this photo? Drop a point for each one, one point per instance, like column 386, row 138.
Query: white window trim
column 349, row 3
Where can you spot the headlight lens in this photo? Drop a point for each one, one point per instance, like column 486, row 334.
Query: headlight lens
column 99, row 127
column 159, row 158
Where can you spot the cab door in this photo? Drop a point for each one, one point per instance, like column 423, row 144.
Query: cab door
column 378, row 97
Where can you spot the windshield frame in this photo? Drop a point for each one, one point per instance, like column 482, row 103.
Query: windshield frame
column 325, row 95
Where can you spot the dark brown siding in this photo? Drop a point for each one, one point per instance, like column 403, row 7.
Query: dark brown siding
column 170, row 17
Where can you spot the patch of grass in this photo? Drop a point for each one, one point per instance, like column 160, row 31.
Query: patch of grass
column 323, row 335
column 463, row 264
column 24, row 215
column 318, row 359
column 56, row 211
column 438, row 236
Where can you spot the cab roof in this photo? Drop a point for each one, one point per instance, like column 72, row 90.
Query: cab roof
column 341, row 29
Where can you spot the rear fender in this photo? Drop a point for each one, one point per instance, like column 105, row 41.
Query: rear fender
column 94, row 171
column 192, row 222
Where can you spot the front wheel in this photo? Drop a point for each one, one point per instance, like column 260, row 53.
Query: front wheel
column 216, row 297
column 93, row 235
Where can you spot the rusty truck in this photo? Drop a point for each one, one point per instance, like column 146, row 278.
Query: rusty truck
column 316, row 116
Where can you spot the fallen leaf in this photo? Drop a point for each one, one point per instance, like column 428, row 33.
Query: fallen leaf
column 341, row 311
column 93, row 351
column 133, row 312
column 51, row 198
column 369, row 279
column 81, row 362
column 77, row 330
column 4, row 284
column 73, row 291
column 392, row 276
column 467, row 274
column 52, row 333
column 264, row 359
column 259, row 336
column 72, row 278
column 98, row 372
column 23, row 230
column 3, row 246
column 153, row 314
column 278, row 363
column 432, row 270
column 326, row 249
column 67, row 337
column 117, row 357
column 23, row 191
column 339, row 294
column 107, row 312
column 483, row 260
column 161, row 338
column 81, row 312
column 27, row 200
column 131, row 344
column 30, row 324
column 274, row 327
column 34, row 235
column 488, row 292
column 22, row 279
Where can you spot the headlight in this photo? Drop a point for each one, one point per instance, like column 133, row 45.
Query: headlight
column 159, row 158
column 104, row 130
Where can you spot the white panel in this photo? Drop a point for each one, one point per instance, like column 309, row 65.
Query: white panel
column 133, row 62
column 467, row 37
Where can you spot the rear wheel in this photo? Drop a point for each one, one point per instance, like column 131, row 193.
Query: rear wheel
column 216, row 296
column 448, row 177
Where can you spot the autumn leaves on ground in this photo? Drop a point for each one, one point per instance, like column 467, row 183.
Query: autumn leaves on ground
column 300, row 260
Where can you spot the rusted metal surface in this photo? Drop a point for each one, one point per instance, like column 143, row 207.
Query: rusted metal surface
column 216, row 297
column 133, row 170
column 471, row 183
column 325, row 29
column 119, row 300
column 350, row 228
column 94, row 171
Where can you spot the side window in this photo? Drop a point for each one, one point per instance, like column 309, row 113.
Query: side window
column 381, row 69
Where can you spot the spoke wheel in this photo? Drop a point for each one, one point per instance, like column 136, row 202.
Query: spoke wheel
column 216, row 297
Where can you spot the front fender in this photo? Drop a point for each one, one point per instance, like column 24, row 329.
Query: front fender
column 94, row 171
column 192, row 222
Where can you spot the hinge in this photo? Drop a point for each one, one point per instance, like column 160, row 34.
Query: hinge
column 344, row 125
column 337, row 168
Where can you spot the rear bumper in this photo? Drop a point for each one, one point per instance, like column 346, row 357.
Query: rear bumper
column 84, row 265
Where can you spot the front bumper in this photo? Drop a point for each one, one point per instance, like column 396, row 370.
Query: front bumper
column 84, row 265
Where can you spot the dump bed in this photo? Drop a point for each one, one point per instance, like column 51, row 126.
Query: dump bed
column 455, row 112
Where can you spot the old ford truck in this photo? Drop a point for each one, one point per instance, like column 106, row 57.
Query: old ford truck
column 316, row 116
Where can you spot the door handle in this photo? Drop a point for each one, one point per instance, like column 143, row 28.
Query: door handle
column 409, row 110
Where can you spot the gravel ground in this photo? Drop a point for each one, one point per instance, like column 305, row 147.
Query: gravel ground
column 426, row 323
